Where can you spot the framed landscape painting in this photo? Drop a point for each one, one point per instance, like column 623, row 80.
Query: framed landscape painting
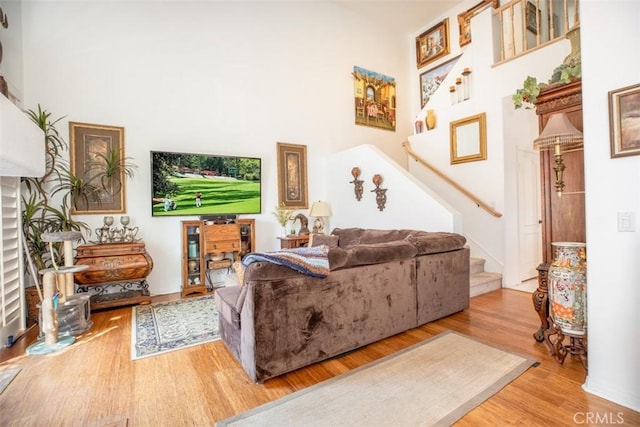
column 430, row 80
column 624, row 121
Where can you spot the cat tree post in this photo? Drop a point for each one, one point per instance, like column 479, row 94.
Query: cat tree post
column 66, row 282
column 49, row 318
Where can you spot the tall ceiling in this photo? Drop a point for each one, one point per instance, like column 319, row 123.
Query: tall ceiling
column 404, row 17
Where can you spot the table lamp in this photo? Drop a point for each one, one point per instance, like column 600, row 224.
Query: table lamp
column 319, row 210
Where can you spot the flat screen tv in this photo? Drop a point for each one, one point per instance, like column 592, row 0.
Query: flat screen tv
column 204, row 184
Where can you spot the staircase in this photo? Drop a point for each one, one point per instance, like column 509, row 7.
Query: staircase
column 481, row 281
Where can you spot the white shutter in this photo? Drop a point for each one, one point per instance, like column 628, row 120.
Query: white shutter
column 12, row 303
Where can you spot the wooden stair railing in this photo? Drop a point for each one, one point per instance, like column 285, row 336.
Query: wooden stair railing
column 470, row 195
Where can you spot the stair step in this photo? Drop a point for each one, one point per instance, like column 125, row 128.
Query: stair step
column 484, row 282
column 477, row 265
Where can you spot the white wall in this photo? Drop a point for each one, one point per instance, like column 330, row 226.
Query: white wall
column 210, row 77
column 11, row 65
column 612, row 186
column 410, row 204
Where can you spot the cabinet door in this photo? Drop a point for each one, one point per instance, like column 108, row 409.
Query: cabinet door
column 193, row 278
column 247, row 235
column 223, row 238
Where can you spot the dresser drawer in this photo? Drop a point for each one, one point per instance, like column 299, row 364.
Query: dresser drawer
column 221, row 246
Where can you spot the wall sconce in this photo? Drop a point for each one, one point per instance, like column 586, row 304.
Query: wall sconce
column 319, row 210
column 556, row 133
column 381, row 193
column 357, row 183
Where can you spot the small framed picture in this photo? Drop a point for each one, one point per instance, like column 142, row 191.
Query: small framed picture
column 533, row 17
column 433, row 43
column 431, row 79
column 292, row 176
column 624, row 121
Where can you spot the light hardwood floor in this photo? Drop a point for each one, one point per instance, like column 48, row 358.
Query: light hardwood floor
column 95, row 383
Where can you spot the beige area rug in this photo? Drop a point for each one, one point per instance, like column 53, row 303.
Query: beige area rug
column 6, row 376
column 433, row 383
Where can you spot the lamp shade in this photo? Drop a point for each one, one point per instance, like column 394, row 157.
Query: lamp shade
column 558, row 131
column 319, row 209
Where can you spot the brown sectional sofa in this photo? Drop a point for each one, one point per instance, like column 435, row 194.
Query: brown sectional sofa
column 381, row 282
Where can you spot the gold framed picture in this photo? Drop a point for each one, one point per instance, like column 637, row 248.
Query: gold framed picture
column 469, row 139
column 433, row 43
column 624, row 121
column 292, row 176
column 96, row 156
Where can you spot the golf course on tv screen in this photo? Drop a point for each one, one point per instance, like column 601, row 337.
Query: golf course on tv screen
column 204, row 185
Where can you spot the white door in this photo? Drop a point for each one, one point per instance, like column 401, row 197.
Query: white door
column 529, row 215
column 12, row 303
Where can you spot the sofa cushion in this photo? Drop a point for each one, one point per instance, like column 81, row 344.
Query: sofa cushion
column 382, row 236
column 436, row 242
column 229, row 302
column 337, row 258
column 329, row 240
column 262, row 270
column 355, row 236
column 375, row 253
column 348, row 236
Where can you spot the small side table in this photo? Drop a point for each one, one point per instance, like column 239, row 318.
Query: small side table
column 294, row 241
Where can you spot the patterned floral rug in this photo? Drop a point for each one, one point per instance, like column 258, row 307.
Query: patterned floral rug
column 162, row 327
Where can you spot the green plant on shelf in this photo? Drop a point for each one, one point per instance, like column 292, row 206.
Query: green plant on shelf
column 564, row 73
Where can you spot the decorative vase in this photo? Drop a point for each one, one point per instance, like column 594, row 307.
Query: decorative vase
column 574, row 38
column 193, row 249
column 193, row 264
column 568, row 287
column 430, row 119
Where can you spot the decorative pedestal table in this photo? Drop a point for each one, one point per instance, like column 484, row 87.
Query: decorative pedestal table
column 123, row 265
